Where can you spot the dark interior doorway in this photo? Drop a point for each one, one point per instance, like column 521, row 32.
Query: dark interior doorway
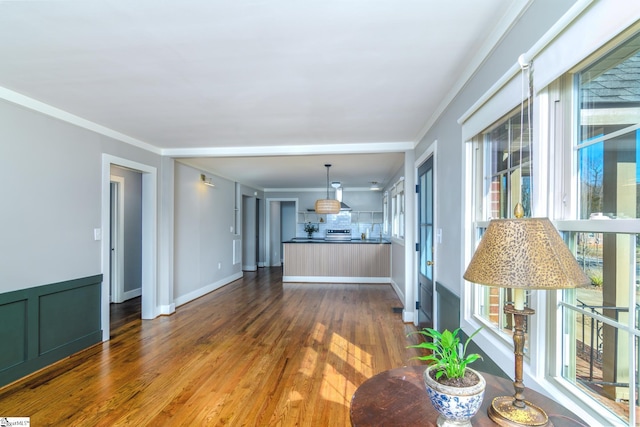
column 124, row 313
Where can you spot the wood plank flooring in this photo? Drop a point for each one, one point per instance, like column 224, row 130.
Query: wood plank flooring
column 253, row 353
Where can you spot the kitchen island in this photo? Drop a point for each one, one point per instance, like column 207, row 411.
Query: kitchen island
column 351, row 261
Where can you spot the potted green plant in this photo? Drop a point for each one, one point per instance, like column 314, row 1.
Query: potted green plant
column 310, row 229
column 455, row 390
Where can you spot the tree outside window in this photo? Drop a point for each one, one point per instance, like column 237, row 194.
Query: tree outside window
column 602, row 320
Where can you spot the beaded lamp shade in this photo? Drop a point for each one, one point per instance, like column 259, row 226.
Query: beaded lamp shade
column 524, row 253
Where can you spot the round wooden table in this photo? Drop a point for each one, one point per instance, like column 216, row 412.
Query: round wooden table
column 397, row 397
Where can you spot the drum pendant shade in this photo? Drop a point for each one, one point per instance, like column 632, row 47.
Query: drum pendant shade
column 327, row 206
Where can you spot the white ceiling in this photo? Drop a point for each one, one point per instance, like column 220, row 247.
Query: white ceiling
column 238, row 78
column 353, row 171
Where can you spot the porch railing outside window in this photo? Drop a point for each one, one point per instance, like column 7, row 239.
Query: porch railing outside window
column 601, row 322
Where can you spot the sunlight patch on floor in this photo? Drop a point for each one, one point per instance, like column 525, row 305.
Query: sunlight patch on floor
column 319, row 332
column 335, row 387
column 309, row 362
column 359, row 359
column 294, row 396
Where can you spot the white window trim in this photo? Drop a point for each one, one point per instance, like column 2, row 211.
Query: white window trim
column 385, row 213
column 398, row 200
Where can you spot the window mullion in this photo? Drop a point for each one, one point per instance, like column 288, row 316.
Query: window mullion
column 633, row 328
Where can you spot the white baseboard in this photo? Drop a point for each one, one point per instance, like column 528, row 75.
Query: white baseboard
column 166, row 310
column 325, row 279
column 398, row 291
column 408, row 316
column 206, row 289
column 134, row 293
column 253, row 267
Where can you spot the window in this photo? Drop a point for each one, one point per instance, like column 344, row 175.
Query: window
column 582, row 173
column 397, row 209
column 601, row 322
column 508, row 166
column 503, row 169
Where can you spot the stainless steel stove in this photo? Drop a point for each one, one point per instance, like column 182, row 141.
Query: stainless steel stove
column 338, row 234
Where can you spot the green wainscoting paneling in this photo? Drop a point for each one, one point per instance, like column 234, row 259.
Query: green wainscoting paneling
column 449, row 318
column 41, row 325
column 448, row 308
column 13, row 330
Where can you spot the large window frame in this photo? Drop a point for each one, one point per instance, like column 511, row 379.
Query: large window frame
column 556, row 180
column 583, row 227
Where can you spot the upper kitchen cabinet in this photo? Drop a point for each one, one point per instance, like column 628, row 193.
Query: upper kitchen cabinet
column 357, row 217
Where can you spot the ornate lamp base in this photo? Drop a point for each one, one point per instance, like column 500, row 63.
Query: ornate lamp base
column 503, row 412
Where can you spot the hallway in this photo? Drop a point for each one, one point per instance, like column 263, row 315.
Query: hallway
column 252, row 353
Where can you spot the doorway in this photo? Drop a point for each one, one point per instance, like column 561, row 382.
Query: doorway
column 126, row 234
column 288, row 219
column 274, row 223
column 249, row 233
column 116, row 237
column 149, row 251
column 425, row 244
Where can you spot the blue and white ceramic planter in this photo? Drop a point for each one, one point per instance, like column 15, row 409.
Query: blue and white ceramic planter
column 456, row 405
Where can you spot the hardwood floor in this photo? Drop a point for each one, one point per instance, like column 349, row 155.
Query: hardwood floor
column 253, row 353
column 123, row 313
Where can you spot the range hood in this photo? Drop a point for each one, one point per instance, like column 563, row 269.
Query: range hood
column 338, row 187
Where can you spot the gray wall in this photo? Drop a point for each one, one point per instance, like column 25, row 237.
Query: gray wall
column 537, row 19
column 204, row 234
column 51, row 197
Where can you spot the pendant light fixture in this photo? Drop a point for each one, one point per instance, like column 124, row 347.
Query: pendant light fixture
column 327, row 206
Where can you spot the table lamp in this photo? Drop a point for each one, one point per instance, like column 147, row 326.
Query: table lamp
column 522, row 254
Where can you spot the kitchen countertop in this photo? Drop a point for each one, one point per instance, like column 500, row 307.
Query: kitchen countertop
column 322, row 240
